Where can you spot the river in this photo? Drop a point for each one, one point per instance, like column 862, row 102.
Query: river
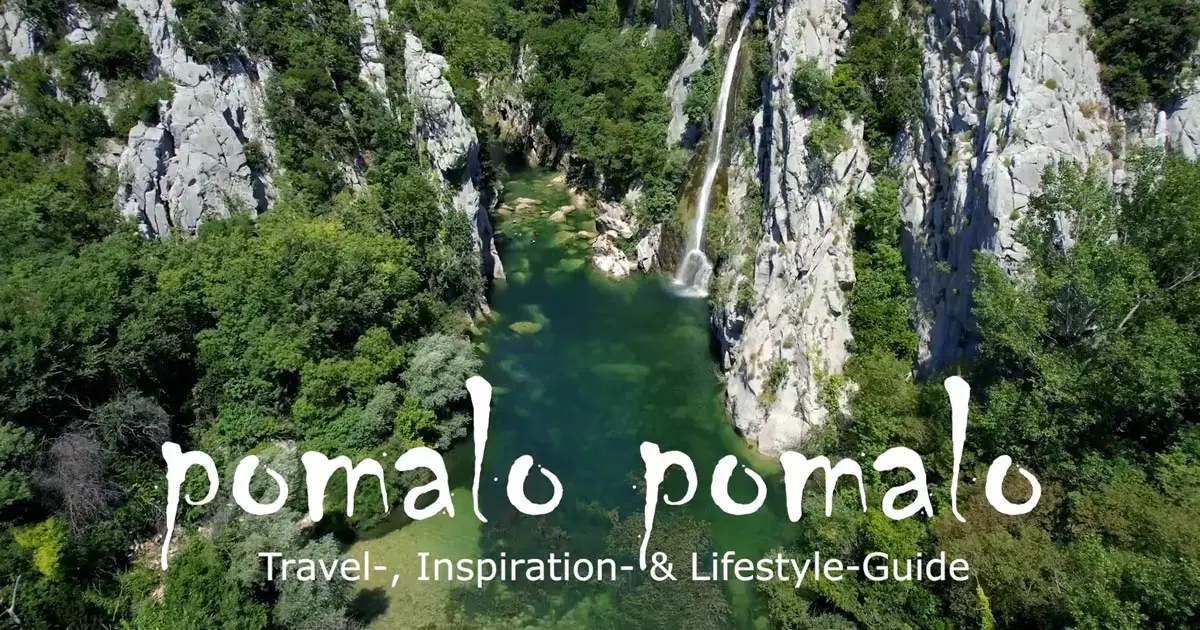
column 584, row 369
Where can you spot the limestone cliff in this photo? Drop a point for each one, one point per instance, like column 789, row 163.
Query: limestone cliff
column 1009, row 88
column 193, row 163
column 451, row 143
column 779, row 303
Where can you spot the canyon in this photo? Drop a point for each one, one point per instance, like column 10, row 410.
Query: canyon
column 1007, row 88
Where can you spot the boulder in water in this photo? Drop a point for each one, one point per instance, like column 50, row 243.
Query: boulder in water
column 613, row 218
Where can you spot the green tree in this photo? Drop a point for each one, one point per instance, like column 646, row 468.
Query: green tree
column 1143, row 47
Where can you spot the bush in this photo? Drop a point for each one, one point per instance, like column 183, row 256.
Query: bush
column 121, row 49
column 1145, row 48
column 825, row 140
column 703, row 89
column 205, row 30
column 881, row 292
column 880, row 77
column 137, row 101
column 657, row 204
column 776, row 373
column 811, row 86
column 256, row 157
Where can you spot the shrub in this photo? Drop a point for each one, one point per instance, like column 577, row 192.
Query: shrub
column 776, row 373
column 1145, row 48
column 121, row 49
column 825, row 140
column 703, row 89
column 811, row 86
column 657, row 204
column 137, row 101
column 256, row 157
column 205, row 30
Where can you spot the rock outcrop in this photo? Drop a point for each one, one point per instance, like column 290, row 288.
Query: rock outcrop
column 785, row 332
column 451, row 143
column 679, row 85
column 648, row 246
column 504, row 102
column 701, row 15
column 607, row 257
column 193, row 162
column 372, row 70
column 17, row 36
column 612, row 217
column 1009, row 88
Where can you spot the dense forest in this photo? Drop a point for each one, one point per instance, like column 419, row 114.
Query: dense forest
column 341, row 320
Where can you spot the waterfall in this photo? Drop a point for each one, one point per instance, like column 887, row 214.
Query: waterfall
column 691, row 278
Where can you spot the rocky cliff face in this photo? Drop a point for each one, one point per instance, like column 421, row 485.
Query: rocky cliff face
column 193, row 164
column 371, row 13
column 1009, row 87
column 16, row 33
column 678, row 129
column 785, row 331
column 700, row 14
column 451, row 143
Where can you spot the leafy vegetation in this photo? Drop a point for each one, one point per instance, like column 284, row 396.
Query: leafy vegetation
column 1086, row 375
column 205, row 30
column 1145, row 49
column 826, row 138
column 336, row 322
column 601, row 90
column 879, row 301
column 703, row 88
column 878, row 79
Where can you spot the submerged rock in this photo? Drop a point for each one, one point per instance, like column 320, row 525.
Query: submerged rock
column 525, row 327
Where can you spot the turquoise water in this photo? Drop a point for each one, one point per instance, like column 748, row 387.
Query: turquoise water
column 584, row 370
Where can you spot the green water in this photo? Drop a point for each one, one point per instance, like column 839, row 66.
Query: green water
column 584, row 369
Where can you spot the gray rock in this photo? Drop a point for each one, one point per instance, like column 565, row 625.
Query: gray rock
column 451, row 143
column 990, row 128
column 612, row 218
column 449, row 137
column 372, row 72
column 647, row 248
column 16, row 33
column 796, row 317
column 607, row 257
column 192, row 164
column 679, row 84
column 81, row 29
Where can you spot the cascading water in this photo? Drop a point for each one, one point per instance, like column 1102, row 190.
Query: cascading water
column 692, row 276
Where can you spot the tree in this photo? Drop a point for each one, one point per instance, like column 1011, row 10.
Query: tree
column 77, row 474
column 197, row 594
column 1143, row 47
column 17, row 449
column 131, row 424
